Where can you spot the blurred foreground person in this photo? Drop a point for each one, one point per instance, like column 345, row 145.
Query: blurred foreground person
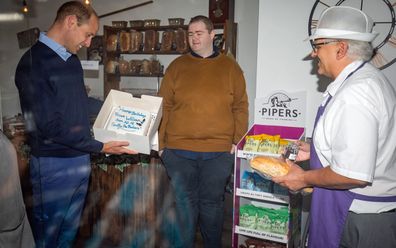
column 15, row 229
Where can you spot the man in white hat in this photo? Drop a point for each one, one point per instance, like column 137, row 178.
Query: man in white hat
column 353, row 149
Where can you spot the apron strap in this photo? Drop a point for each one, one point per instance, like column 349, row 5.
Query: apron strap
column 375, row 198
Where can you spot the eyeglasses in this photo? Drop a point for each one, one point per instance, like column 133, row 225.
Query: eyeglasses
column 316, row 46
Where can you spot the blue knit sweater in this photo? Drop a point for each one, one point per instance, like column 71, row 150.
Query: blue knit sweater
column 55, row 104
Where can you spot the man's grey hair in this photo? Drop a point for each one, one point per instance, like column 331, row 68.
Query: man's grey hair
column 360, row 50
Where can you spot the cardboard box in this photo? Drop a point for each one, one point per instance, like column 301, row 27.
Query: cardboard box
column 140, row 143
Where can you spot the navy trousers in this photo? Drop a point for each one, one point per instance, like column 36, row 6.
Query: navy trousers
column 199, row 188
column 60, row 187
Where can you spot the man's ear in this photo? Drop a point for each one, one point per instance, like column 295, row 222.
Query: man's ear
column 212, row 34
column 342, row 49
column 71, row 20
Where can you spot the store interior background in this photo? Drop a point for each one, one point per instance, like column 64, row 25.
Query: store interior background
column 270, row 45
column 44, row 11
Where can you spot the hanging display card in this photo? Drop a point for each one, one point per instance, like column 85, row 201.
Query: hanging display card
column 281, row 108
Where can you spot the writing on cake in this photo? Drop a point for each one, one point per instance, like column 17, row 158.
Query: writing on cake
column 129, row 120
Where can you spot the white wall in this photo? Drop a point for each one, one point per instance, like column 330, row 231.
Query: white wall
column 247, row 15
column 283, row 26
column 9, row 57
column 280, row 64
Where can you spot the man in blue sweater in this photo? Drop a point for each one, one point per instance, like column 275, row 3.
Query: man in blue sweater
column 54, row 101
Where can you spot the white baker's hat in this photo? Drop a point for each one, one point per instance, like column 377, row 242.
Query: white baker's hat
column 344, row 22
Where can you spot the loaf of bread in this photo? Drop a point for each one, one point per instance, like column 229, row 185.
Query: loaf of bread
column 181, row 40
column 270, row 166
column 151, row 40
column 273, row 167
column 168, row 38
column 145, row 67
column 111, row 66
column 123, row 66
column 136, row 41
column 125, row 41
column 111, row 43
column 134, row 66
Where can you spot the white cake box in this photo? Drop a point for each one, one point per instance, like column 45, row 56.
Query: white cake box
column 141, row 143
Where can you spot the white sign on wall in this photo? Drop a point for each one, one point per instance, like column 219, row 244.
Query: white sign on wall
column 90, row 64
column 281, row 108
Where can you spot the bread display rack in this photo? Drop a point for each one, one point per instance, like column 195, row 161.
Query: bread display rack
column 264, row 213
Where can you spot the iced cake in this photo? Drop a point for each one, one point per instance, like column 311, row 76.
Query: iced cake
column 129, row 120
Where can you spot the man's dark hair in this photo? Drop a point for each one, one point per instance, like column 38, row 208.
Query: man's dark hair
column 200, row 18
column 82, row 11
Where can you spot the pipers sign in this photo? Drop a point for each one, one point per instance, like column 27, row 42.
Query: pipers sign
column 281, row 108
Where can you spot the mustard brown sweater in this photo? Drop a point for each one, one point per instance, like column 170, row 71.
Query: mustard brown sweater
column 205, row 105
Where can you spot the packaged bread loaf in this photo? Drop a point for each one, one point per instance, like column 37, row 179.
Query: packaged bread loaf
column 145, row 67
column 134, row 66
column 151, row 39
column 270, row 166
column 123, row 66
column 111, row 66
column 181, row 40
column 155, row 66
column 111, row 43
column 273, row 167
column 136, row 41
column 125, row 41
column 168, row 38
